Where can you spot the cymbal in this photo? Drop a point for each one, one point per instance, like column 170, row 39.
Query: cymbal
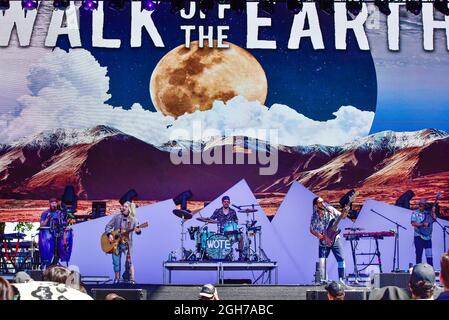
column 247, row 210
column 183, row 214
column 206, row 220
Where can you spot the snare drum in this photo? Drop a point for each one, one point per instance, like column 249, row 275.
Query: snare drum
column 65, row 243
column 46, row 245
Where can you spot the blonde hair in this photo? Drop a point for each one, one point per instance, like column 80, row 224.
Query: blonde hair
column 132, row 208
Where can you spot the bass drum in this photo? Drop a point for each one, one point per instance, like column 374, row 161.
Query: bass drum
column 46, row 246
column 65, row 244
column 219, row 247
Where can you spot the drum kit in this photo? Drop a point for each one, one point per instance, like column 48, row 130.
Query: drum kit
column 219, row 245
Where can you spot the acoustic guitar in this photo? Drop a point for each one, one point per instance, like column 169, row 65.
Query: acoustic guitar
column 109, row 247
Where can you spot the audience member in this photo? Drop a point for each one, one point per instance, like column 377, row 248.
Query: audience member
column 208, row 292
column 113, row 296
column 335, row 291
column 444, row 276
column 22, row 277
column 6, row 290
column 422, row 282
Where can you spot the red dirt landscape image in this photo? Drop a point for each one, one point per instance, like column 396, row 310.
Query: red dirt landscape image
column 102, row 163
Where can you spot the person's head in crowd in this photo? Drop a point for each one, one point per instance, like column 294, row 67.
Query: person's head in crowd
column 226, row 201
column 57, row 274
column 113, row 296
column 208, row 292
column 22, row 277
column 422, row 282
column 6, row 290
column 389, row 293
column 444, row 273
column 335, row 291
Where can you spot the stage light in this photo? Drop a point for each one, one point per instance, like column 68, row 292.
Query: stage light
column 29, row 5
column 267, row 6
column 294, row 6
column 383, row 6
column 326, row 6
column 61, row 4
column 177, row 5
column 441, row 6
column 238, row 6
column 69, row 200
column 404, row 200
column 206, row 5
column 414, row 6
column 117, row 5
column 148, row 5
column 89, row 5
column 354, row 7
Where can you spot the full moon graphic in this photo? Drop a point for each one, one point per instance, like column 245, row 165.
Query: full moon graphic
column 190, row 79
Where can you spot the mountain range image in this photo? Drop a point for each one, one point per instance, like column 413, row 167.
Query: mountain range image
column 103, row 163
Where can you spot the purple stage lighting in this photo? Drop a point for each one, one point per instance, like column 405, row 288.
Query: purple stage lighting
column 148, row 5
column 29, row 4
column 89, row 5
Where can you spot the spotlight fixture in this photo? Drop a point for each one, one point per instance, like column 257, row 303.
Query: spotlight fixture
column 205, row 5
column 354, row 6
column 148, row 5
column 117, row 5
column 441, row 6
column 238, row 6
column 29, row 5
column 177, row 5
column 267, row 6
column 326, row 6
column 414, row 6
column 61, row 4
column 89, row 5
column 294, row 6
column 383, row 6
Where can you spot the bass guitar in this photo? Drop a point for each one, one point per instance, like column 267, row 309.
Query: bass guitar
column 123, row 236
column 332, row 231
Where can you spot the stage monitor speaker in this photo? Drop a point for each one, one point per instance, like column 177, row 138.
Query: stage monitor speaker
column 36, row 275
column 397, row 279
column 128, row 294
column 349, row 294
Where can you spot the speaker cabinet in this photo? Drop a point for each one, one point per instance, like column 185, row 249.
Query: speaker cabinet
column 397, row 279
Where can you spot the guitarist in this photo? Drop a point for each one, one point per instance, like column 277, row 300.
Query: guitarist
column 422, row 220
column 125, row 221
column 321, row 217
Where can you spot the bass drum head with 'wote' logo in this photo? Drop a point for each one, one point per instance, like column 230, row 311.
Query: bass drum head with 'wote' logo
column 218, row 247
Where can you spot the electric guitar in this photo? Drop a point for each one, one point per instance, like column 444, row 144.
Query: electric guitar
column 109, row 247
column 332, row 231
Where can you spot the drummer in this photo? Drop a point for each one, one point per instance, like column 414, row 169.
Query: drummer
column 227, row 214
column 54, row 219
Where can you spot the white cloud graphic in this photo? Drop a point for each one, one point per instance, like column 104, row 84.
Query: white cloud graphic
column 69, row 90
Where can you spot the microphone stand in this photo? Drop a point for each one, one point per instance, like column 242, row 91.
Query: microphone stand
column 396, row 240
